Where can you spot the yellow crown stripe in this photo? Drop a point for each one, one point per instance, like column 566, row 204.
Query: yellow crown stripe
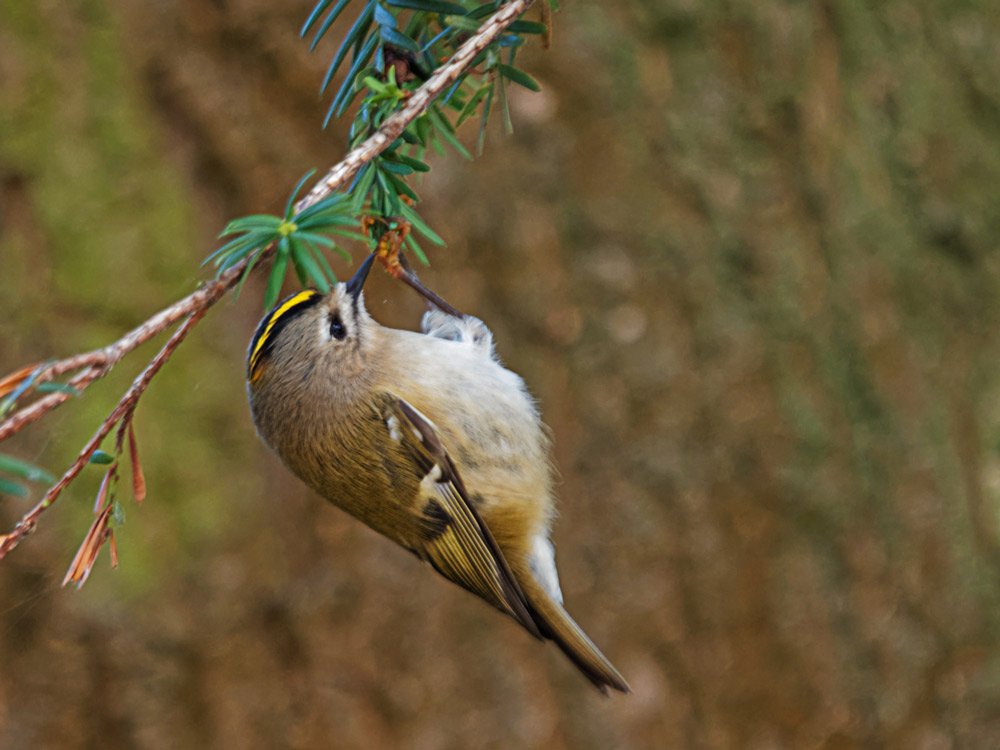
column 275, row 317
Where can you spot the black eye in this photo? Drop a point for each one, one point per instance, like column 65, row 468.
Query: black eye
column 337, row 329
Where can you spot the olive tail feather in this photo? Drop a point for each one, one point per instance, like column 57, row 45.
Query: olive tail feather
column 555, row 623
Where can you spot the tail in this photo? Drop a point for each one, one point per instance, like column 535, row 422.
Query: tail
column 555, row 623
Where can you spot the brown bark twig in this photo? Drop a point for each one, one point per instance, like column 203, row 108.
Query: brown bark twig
column 124, row 407
column 98, row 363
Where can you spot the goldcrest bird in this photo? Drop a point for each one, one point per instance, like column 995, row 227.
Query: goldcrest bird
column 426, row 438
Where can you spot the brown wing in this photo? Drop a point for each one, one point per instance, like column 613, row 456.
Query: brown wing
column 452, row 536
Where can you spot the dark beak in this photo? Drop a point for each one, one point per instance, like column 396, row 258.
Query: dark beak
column 357, row 282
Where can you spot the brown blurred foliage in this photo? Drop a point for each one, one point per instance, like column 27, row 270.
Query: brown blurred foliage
column 744, row 254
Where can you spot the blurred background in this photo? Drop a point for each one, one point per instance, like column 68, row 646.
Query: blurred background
column 744, row 254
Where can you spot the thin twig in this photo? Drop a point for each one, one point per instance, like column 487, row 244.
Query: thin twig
column 127, row 403
column 96, row 364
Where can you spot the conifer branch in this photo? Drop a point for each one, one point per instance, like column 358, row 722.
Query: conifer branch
column 91, row 366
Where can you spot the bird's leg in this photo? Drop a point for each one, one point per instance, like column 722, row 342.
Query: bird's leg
column 388, row 253
column 433, row 300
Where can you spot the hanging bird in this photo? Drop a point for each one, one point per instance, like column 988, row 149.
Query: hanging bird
column 426, row 438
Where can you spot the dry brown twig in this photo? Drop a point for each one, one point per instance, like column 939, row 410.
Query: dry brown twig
column 96, row 364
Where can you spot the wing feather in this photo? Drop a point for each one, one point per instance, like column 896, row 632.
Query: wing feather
column 453, row 536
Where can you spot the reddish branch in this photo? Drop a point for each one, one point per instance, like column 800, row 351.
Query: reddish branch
column 96, row 364
column 122, row 411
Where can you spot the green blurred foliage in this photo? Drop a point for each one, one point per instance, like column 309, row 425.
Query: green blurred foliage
column 746, row 256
